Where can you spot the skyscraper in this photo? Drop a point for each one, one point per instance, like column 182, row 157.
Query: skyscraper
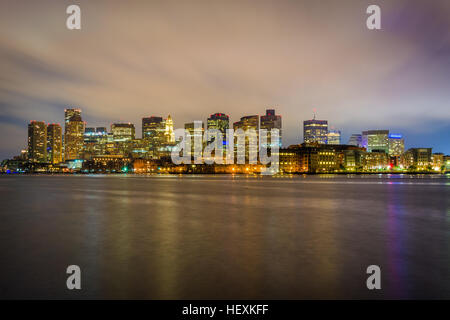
column 195, row 132
column 334, row 137
column 123, row 131
column 219, row 121
column 376, row 140
column 123, row 136
column 396, row 145
column 247, row 124
column 37, row 141
column 154, row 134
column 169, row 134
column 95, row 140
column 54, row 143
column 315, row 131
column 271, row 121
column 355, row 140
column 73, row 134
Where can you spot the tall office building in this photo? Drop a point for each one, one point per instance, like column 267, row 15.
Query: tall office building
column 95, row 140
column 334, row 137
column 271, row 121
column 195, row 133
column 169, row 134
column 154, row 134
column 376, row 140
column 73, row 134
column 37, row 141
column 123, row 131
column 246, row 123
column 123, row 136
column 72, row 115
column 396, row 145
column 315, row 131
column 355, row 140
column 219, row 121
column 54, row 143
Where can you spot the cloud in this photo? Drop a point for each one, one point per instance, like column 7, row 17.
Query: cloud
column 190, row 59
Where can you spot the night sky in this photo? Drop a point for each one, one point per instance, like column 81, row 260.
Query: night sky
column 192, row 58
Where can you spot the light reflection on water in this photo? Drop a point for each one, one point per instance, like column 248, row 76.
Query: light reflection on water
column 168, row 237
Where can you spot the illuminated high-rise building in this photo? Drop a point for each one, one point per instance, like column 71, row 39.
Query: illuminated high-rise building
column 95, row 140
column 376, row 140
column 334, row 137
column 396, row 145
column 355, row 140
column 195, row 133
column 271, row 121
column 37, row 142
column 154, row 134
column 54, row 143
column 123, row 136
column 73, row 134
column 169, row 134
column 315, row 131
column 247, row 124
column 123, row 131
column 72, row 115
column 219, row 121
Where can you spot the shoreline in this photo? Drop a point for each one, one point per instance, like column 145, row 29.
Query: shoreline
column 224, row 174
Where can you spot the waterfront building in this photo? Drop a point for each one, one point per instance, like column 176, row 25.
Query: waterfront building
column 396, row 145
column 376, row 140
column 291, row 160
column 437, row 160
column 308, row 157
column 107, row 164
column 353, row 159
column 376, row 160
column 348, row 157
column 315, row 131
column 73, row 134
column 37, row 142
column 417, row 159
column 447, row 163
column 54, row 143
column 334, row 137
column 145, row 166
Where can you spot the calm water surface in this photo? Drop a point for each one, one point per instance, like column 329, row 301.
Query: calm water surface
column 216, row 237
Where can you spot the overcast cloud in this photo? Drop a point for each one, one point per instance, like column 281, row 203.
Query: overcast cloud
column 193, row 58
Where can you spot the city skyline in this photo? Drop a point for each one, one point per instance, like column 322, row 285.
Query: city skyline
column 304, row 124
column 187, row 60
